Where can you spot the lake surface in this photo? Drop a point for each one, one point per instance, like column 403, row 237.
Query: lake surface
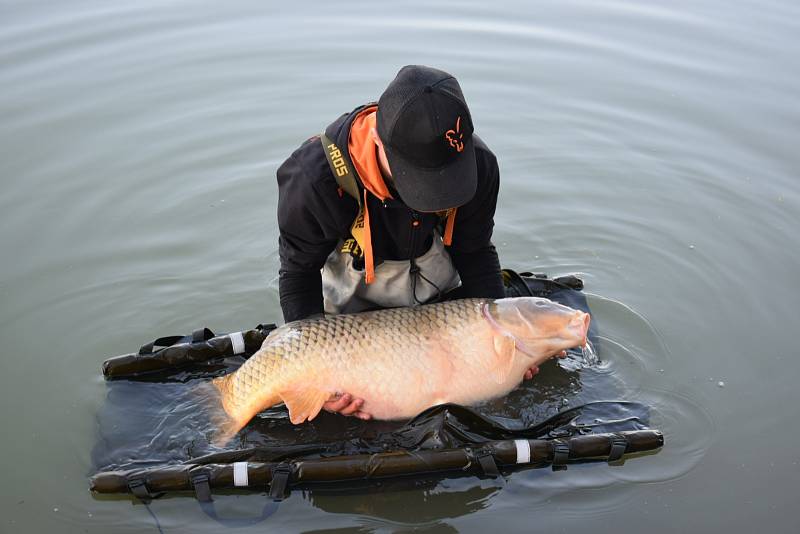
column 650, row 147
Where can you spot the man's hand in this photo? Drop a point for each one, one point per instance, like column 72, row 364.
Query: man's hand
column 345, row 404
column 533, row 371
column 530, row 373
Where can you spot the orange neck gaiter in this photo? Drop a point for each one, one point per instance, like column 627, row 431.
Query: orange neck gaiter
column 363, row 153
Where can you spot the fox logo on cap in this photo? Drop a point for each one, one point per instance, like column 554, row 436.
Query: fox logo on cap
column 455, row 137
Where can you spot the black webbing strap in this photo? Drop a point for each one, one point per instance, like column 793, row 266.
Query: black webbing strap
column 560, row 455
column 269, row 327
column 486, row 460
column 570, row 281
column 619, row 444
column 513, row 280
column 201, row 483
column 202, row 334
column 161, row 342
column 137, row 486
column 199, row 335
column 280, row 481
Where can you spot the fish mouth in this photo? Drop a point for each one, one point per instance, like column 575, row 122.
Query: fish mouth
column 579, row 327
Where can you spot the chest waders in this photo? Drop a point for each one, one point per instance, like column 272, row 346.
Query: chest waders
column 393, row 283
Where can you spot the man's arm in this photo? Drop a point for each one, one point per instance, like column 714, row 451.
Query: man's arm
column 472, row 251
column 301, row 294
column 306, row 239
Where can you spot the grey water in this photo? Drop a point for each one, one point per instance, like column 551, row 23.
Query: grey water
column 649, row 147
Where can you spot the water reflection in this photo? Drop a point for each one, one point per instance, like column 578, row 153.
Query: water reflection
column 431, row 502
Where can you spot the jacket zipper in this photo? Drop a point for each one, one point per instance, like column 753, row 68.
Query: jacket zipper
column 412, row 260
column 413, row 237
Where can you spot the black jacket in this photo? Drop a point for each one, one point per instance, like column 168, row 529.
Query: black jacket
column 313, row 215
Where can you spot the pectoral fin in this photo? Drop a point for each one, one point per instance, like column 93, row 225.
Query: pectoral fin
column 504, row 348
column 303, row 404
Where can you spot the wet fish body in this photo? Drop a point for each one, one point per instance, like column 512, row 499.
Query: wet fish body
column 400, row 361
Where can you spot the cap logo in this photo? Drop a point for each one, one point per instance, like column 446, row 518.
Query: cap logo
column 456, row 137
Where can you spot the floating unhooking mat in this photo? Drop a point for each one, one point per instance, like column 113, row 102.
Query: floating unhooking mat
column 153, row 436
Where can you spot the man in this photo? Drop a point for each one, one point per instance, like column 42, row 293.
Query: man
column 393, row 205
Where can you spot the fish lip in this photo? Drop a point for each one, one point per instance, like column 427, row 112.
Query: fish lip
column 585, row 320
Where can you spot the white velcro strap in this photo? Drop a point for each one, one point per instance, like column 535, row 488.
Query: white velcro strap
column 240, row 474
column 237, row 340
column 523, row 451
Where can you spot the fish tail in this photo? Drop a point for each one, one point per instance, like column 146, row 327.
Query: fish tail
column 223, row 416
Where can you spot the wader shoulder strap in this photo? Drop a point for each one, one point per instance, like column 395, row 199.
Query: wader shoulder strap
column 341, row 167
column 343, row 171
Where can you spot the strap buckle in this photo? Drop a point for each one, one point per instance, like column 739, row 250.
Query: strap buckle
column 486, row 460
column 560, row 455
column 201, row 482
column 619, row 444
column 280, row 481
column 138, row 487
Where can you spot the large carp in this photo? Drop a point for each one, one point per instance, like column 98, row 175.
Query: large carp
column 400, row 361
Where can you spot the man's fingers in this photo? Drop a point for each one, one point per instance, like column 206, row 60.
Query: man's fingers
column 530, row 373
column 345, row 404
column 352, row 408
column 337, row 404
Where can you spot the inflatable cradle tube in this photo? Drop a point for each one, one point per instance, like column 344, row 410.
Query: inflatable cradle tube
column 172, row 353
column 487, row 459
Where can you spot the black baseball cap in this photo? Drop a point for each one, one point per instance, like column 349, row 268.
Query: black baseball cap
column 426, row 130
